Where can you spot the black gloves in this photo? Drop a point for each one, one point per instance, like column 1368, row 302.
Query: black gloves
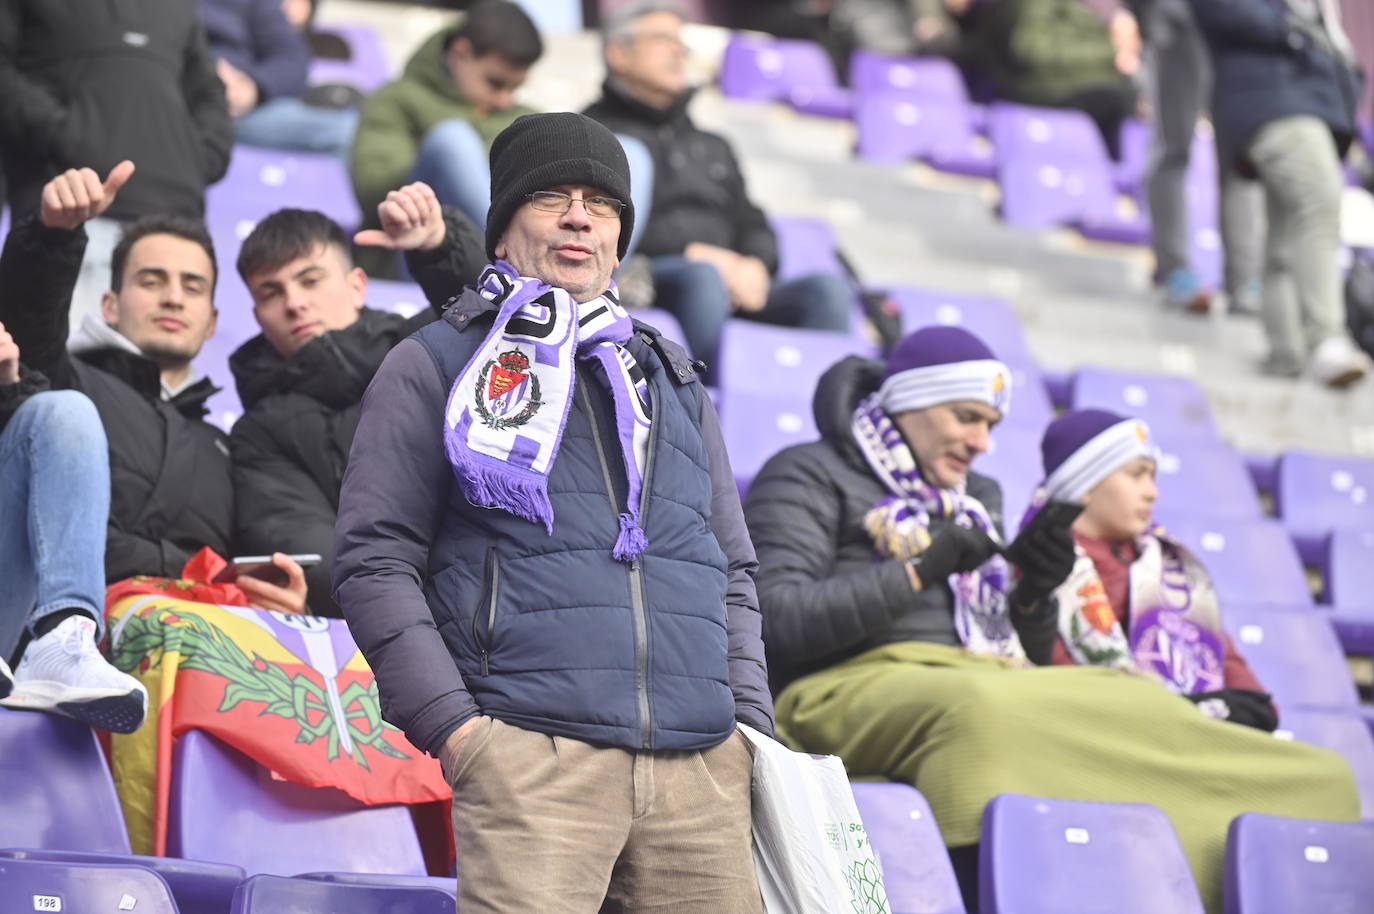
column 953, row 550
column 1239, row 706
column 1043, row 551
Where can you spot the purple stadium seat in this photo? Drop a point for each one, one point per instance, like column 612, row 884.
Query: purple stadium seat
column 930, row 78
column 41, row 885
column 1043, row 856
column 1171, row 404
column 1343, row 731
column 1294, row 653
column 260, row 181
column 1349, row 588
column 448, row 884
column 1318, row 493
column 1043, row 134
column 1131, row 170
column 782, row 69
column 276, row 895
column 991, row 319
column 1252, row 562
column 665, row 324
column 898, row 126
column 761, row 358
column 197, row 887
column 757, row 426
column 1264, row 472
column 1277, row 865
column 68, row 800
column 228, row 808
column 1201, row 478
column 805, row 246
column 1014, row 462
column 1037, row 193
column 404, row 298
column 916, row 870
column 367, row 70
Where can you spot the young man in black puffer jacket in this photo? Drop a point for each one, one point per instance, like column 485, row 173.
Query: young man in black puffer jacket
column 302, row 380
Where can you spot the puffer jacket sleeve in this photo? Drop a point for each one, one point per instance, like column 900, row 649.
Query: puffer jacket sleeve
column 748, row 668
column 31, row 115
column 38, row 271
column 207, row 106
column 278, row 507
column 809, row 613
column 393, row 497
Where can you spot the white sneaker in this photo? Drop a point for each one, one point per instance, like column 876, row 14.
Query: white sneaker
column 6, row 678
column 1338, row 362
column 63, row 671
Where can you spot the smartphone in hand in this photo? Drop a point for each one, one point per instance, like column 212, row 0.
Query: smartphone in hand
column 261, row 567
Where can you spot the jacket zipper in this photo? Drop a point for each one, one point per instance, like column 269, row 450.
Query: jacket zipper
column 491, row 573
column 636, row 579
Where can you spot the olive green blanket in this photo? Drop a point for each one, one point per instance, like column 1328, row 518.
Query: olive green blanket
column 964, row 728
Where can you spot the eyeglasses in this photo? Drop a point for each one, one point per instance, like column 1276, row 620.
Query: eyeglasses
column 551, row 201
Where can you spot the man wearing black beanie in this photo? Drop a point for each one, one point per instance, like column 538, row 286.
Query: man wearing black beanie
column 541, row 552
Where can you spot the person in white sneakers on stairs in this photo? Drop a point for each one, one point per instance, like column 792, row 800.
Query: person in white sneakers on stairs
column 55, row 489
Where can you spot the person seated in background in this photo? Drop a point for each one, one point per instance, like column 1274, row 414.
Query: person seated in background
column 55, row 488
column 902, row 637
column 1055, row 54
column 712, row 250
column 301, row 381
column 263, row 61
column 171, row 491
column 1115, row 608
column 437, row 121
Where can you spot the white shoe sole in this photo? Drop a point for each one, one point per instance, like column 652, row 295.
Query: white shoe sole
column 116, row 710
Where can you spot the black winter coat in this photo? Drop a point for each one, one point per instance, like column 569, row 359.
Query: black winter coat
column 699, row 192
column 291, row 446
column 86, row 84
column 1267, row 70
column 823, row 595
column 169, row 471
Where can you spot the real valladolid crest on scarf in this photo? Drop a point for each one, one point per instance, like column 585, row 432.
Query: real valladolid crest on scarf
column 507, row 409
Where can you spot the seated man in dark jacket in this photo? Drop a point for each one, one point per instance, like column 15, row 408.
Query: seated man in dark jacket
column 171, row 492
column 55, row 488
column 899, row 640
column 302, row 380
column 540, row 552
column 714, row 253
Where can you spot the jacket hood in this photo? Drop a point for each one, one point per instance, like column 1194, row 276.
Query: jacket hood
column 617, row 100
column 428, row 66
column 334, row 368
column 837, row 395
column 100, row 345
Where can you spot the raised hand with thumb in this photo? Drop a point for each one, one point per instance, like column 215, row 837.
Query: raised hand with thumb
column 77, row 196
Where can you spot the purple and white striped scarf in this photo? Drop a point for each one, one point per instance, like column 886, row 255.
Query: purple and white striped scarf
column 507, row 409
column 900, row 526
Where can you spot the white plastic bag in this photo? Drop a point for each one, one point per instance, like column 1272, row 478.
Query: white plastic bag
column 811, row 850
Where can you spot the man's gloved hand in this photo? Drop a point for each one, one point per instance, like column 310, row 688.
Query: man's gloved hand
column 1239, row 706
column 953, row 550
column 1044, row 553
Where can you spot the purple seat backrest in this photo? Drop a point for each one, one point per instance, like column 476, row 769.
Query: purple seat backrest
column 896, row 125
column 197, row 887
column 1318, row 493
column 762, row 358
column 1054, row 135
column 805, row 246
column 67, row 800
column 769, row 69
column 757, row 426
column 1295, row 654
column 277, row 895
column 1251, row 562
column 228, row 808
column 1343, row 731
column 448, row 884
column 1350, row 570
column 43, row 885
column 1201, row 478
column 917, row 873
column 367, row 69
column 1135, row 155
column 928, row 78
column 260, row 181
column 1039, row 193
column 404, row 298
column 1276, row 865
column 1014, row 462
column 1043, row 856
column 1170, row 404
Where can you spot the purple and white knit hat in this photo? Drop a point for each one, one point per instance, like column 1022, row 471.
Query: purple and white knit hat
column 1084, row 447
column 942, row 364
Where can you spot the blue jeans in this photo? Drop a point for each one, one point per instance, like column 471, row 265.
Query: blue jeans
column 55, row 489
column 289, row 123
column 695, row 294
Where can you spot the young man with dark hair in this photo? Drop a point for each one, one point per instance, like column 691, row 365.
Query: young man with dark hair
column 302, row 380
column 171, row 492
column 436, row 122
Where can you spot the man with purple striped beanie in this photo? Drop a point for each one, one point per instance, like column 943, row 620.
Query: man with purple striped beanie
column 541, row 553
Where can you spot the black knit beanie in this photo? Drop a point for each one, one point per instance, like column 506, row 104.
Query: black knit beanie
column 542, row 151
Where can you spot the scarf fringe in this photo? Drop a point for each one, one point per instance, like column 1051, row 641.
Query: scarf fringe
column 631, row 542
column 524, row 495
